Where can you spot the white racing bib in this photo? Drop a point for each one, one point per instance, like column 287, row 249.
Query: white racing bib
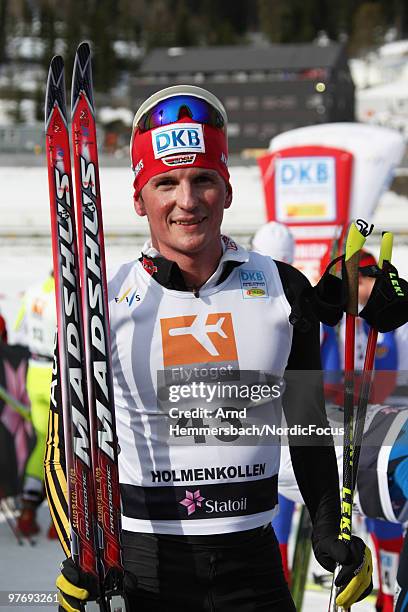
column 205, row 482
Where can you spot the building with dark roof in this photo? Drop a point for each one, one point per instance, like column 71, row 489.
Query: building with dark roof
column 266, row 90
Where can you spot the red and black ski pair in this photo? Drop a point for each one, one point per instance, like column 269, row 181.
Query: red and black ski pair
column 83, row 331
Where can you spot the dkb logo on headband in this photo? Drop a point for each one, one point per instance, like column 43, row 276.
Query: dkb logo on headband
column 178, row 138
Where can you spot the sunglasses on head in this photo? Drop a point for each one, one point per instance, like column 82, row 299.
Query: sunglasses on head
column 172, row 109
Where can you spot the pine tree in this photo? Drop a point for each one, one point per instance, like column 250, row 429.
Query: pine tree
column 368, row 27
column 158, row 31
column 103, row 20
column 47, row 32
column 3, row 30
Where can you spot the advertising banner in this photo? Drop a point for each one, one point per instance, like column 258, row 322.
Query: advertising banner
column 318, row 178
column 308, row 189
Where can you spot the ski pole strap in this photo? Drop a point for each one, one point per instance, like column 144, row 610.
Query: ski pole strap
column 356, row 238
column 13, row 402
column 328, row 299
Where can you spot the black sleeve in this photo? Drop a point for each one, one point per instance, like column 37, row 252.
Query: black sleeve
column 313, row 456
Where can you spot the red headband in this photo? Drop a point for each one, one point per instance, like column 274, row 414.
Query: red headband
column 182, row 144
column 366, row 259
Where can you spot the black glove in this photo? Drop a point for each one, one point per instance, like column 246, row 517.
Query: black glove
column 387, row 306
column 355, row 577
column 75, row 587
column 324, row 302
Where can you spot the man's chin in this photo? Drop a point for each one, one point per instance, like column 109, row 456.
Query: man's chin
column 191, row 244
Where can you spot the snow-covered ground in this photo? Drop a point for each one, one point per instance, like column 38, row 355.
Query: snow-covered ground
column 34, row 569
column 28, row 568
column 25, row 203
column 381, row 80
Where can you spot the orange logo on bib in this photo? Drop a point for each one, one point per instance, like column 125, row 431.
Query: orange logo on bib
column 198, row 338
column 37, row 307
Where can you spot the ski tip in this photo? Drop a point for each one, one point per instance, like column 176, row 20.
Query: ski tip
column 57, row 65
column 83, row 51
column 55, row 92
column 82, row 75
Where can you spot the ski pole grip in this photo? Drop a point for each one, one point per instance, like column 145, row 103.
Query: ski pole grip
column 354, row 243
column 352, row 280
column 386, row 248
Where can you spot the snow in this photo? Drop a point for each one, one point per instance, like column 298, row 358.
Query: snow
column 25, row 47
column 109, row 115
column 390, row 99
column 6, row 110
column 364, row 73
column 28, row 568
column 27, row 210
column 25, row 253
column 25, row 207
column 396, row 48
column 127, row 50
column 35, row 568
column 381, row 79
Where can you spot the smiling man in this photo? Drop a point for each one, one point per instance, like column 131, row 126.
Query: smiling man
column 184, row 205
column 196, row 507
column 185, row 210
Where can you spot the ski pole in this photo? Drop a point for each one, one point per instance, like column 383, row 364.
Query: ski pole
column 364, row 396
column 10, row 520
column 13, row 402
column 8, row 510
column 356, row 238
column 301, row 557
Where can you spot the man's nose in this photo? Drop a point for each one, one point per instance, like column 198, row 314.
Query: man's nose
column 186, row 196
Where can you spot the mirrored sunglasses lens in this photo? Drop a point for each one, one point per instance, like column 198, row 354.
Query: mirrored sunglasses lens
column 177, row 107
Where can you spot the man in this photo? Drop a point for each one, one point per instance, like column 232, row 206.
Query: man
column 35, row 327
column 196, row 517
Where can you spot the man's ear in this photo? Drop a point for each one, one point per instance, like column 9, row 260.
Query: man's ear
column 138, row 203
column 228, row 196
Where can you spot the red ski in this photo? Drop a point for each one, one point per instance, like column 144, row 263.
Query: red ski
column 83, row 332
column 94, row 291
